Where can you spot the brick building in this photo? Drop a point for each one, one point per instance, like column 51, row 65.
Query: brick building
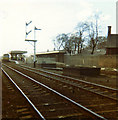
column 112, row 43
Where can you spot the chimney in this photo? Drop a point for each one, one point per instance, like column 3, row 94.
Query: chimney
column 109, row 30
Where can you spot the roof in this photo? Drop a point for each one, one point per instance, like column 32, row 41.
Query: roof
column 114, row 35
column 17, row 52
column 51, row 52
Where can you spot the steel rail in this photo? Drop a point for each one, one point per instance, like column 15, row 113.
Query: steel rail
column 73, row 85
column 67, row 77
column 24, row 95
column 72, row 101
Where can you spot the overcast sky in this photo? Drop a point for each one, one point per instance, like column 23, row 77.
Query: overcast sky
column 52, row 16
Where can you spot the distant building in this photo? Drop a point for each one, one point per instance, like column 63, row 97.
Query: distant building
column 112, row 43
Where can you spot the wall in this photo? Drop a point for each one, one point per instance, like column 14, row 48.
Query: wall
column 41, row 60
column 112, row 41
column 108, row 61
column 52, row 57
column 46, row 60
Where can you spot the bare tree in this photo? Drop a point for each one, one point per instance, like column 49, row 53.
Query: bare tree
column 74, row 39
column 81, row 28
column 73, row 42
column 60, row 41
column 93, row 32
column 102, row 41
column 64, row 42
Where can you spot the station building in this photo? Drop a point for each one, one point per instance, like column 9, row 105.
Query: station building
column 52, row 56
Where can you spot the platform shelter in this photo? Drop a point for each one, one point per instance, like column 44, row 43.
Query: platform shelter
column 17, row 55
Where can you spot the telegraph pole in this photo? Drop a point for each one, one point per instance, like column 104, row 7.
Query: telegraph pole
column 27, row 33
column 35, row 46
column 34, row 60
column 35, row 54
column 34, row 50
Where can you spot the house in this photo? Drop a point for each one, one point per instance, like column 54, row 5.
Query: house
column 112, row 43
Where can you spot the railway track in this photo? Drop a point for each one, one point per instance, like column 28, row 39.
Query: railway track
column 96, row 88
column 48, row 103
column 14, row 105
column 99, row 102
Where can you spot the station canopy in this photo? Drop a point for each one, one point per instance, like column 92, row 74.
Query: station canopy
column 17, row 52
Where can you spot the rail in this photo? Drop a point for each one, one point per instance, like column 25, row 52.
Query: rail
column 72, row 101
column 24, row 95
